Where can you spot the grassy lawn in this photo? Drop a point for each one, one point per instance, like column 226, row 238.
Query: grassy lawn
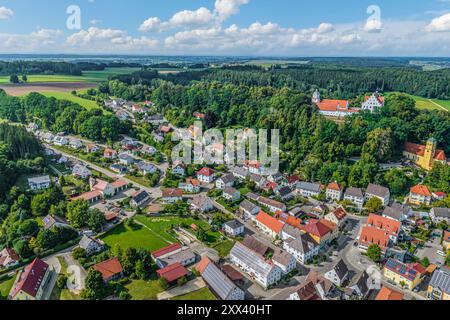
column 5, row 287
column 224, row 248
column 141, row 238
column 199, row 295
column 88, row 104
column 427, row 104
column 144, row 290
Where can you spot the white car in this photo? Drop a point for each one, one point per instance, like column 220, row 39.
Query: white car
column 441, row 253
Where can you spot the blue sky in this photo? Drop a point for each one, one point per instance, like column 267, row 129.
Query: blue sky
column 244, row 27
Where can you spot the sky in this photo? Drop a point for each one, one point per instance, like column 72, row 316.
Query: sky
column 227, row 27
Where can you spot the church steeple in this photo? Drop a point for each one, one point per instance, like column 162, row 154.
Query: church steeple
column 316, row 97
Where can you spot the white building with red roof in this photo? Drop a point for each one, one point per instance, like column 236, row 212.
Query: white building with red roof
column 269, row 224
column 373, row 102
column 334, row 191
column 420, row 195
column 32, row 281
column 424, row 156
column 8, row 258
column 206, row 175
column 380, row 231
column 333, row 108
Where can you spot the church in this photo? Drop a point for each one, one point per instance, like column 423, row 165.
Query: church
column 374, row 102
column 333, row 108
column 424, row 156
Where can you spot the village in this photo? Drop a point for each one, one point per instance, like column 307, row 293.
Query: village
column 235, row 233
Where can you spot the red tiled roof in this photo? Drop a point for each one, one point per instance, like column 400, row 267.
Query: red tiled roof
column 100, row 185
column 317, row 228
column 419, row 150
column 293, row 179
column 422, row 190
column 340, row 213
column 167, row 193
column 119, row 184
column 270, row 222
column 173, row 272
column 447, row 236
column 194, row 182
column 288, row 219
column 440, row 194
column 232, row 273
column 166, row 250
column 203, row 264
column 379, row 98
column 205, row 172
column 334, row 186
column 391, row 226
column 370, row 235
column 109, row 268
column 11, row 254
column 88, row 196
column 331, row 225
column 31, row 278
column 334, row 105
column 388, row 294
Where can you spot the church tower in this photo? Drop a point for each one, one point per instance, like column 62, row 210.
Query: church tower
column 430, row 151
column 316, row 97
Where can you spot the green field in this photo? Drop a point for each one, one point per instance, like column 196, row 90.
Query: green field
column 430, row 104
column 5, row 287
column 199, row 295
column 144, row 290
column 88, row 76
column 88, row 104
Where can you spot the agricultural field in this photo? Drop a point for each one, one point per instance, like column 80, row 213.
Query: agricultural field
column 85, row 103
column 431, row 104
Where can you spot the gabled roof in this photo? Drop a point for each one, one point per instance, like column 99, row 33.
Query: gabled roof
column 30, row 280
column 419, row 150
column 341, row 269
column 173, row 272
column 370, row 235
column 109, row 268
column 377, row 190
column 255, row 245
column 248, row 206
column 270, row 222
column 340, row 213
column 354, row 192
column 421, row 190
column 166, row 250
column 392, row 227
column 334, row 186
column 304, row 243
column 401, row 269
column 168, row 193
column 205, row 172
column 441, row 280
column 252, row 259
column 389, row 294
column 282, row 257
column 317, row 228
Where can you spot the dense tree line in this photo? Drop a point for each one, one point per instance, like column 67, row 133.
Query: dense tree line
column 39, row 67
column 62, row 116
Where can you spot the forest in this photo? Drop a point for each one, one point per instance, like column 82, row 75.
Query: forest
column 38, row 67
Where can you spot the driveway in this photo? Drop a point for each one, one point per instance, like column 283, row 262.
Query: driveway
column 189, row 287
column 430, row 250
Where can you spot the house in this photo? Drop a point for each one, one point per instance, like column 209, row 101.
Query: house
column 39, row 183
column 240, row 173
column 319, row 231
column 303, row 248
column 92, row 148
column 293, row 180
column 424, row 156
column 402, row 274
column 81, row 172
column 179, row 168
column 111, row 269
column 105, row 188
column 233, row 228
column 255, row 245
column 125, row 159
column 231, row 194
column 373, row 103
column 338, row 274
column 355, row 196
column 438, row 215
column 307, row 189
column 218, row 282
column 380, row 231
column 439, row 195
column 254, row 167
column 284, row 260
column 109, row 153
column 75, row 144
column 226, row 181
column 377, row 191
column 360, row 288
column 420, row 195
column 191, row 186
column 206, row 175
column 31, row 283
column 146, row 168
column 446, row 240
column 60, row 141
column 173, row 272
column 397, row 211
column 139, row 199
column 118, row 168
column 290, row 232
column 288, row 219
column 286, row 193
column 166, row 251
column 315, row 287
column 333, row 108
column 439, row 286
column 272, row 205
column 149, row 150
column 201, row 203
column 264, row 272
column 259, row 180
column 269, row 224
column 183, row 256
column 8, row 258
column 334, row 191
column 172, row 195
column 276, row 178
column 91, row 245
column 55, row 222
column 386, row 294
column 91, row 197
column 338, row 216
column 249, row 209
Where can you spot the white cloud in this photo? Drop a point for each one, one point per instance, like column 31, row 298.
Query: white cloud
column 40, row 40
column 227, row 8
column 189, row 18
column 373, row 26
column 439, row 24
column 5, row 13
column 150, row 25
